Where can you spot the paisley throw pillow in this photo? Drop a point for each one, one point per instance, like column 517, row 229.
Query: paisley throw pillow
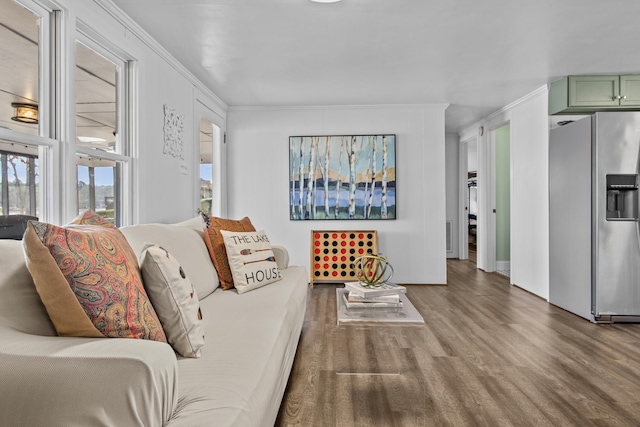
column 88, row 279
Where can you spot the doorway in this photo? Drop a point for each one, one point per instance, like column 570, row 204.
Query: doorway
column 502, row 161
column 472, row 200
column 468, row 200
column 210, row 187
column 210, row 195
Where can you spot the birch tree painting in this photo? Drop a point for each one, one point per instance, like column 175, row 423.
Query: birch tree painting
column 342, row 177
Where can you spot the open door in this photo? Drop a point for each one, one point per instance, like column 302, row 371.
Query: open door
column 502, row 162
column 468, row 199
column 472, row 217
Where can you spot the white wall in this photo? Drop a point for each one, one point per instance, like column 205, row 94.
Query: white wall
column 258, row 168
column 530, row 195
column 472, row 156
column 160, row 191
column 529, row 188
column 452, row 211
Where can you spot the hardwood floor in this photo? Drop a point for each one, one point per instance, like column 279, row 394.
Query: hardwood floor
column 472, row 253
column 489, row 354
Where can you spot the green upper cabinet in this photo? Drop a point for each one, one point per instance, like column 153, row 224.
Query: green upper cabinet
column 630, row 90
column 594, row 91
column 585, row 94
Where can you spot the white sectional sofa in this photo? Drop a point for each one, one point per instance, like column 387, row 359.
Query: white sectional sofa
column 239, row 380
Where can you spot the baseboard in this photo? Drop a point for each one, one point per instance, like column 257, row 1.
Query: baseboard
column 503, row 265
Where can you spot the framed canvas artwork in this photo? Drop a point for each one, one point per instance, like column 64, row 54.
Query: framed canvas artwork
column 342, row 177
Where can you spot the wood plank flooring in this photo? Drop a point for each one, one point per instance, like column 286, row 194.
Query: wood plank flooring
column 489, row 354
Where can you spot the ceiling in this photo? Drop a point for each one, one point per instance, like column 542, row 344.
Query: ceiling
column 477, row 56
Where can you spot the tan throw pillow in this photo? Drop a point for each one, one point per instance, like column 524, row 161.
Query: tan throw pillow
column 215, row 244
column 88, row 279
column 251, row 259
column 174, row 299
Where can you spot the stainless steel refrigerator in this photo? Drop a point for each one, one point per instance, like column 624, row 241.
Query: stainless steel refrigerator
column 594, row 265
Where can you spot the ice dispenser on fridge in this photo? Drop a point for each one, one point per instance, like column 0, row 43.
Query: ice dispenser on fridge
column 622, row 197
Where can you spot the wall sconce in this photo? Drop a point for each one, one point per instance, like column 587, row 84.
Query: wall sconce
column 25, row 113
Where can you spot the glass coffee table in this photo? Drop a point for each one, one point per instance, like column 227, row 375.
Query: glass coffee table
column 407, row 314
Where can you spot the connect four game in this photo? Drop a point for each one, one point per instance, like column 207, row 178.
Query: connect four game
column 333, row 253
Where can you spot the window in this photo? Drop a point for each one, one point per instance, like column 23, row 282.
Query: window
column 101, row 147
column 206, row 165
column 96, row 95
column 19, row 68
column 34, row 132
column 18, row 184
column 97, row 183
column 25, row 135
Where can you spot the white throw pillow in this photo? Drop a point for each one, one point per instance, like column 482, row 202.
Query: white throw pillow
column 251, row 259
column 174, row 299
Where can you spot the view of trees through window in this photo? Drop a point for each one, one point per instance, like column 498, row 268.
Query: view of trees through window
column 18, row 184
column 96, row 189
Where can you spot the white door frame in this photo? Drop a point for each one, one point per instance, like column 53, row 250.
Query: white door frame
column 490, row 241
column 491, row 196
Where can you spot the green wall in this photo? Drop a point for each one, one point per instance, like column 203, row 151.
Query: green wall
column 503, row 199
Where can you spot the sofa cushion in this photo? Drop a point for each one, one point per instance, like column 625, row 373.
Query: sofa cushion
column 240, row 379
column 185, row 241
column 18, row 294
column 88, row 279
column 174, row 299
column 215, row 244
column 251, row 259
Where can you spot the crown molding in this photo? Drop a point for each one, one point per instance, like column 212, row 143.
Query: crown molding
column 541, row 90
column 125, row 20
column 507, row 108
column 336, row 107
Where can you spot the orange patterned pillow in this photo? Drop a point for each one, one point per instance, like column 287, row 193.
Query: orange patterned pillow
column 88, row 279
column 215, row 244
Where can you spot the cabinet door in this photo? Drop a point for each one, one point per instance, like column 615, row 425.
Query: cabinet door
column 630, row 90
column 594, row 91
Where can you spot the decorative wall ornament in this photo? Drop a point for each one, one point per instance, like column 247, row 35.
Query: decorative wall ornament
column 173, row 133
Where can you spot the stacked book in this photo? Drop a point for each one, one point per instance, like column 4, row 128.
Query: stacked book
column 359, row 296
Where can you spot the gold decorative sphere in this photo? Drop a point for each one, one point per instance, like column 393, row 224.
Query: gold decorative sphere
column 372, row 270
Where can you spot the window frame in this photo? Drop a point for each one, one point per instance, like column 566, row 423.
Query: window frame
column 55, row 140
column 126, row 81
column 45, row 141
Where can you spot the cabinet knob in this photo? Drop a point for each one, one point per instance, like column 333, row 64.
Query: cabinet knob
column 623, row 97
column 616, row 97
